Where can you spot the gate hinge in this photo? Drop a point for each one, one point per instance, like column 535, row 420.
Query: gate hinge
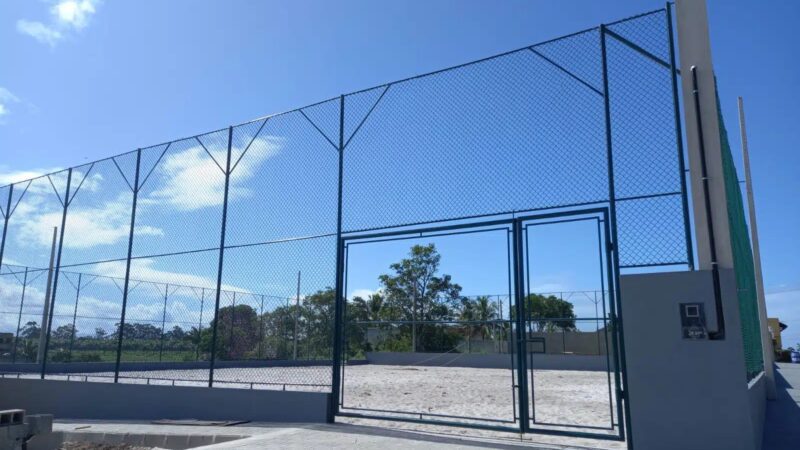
column 622, row 394
column 610, row 245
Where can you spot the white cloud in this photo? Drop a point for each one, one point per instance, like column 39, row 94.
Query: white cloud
column 39, row 31
column 10, row 295
column 6, row 98
column 67, row 17
column 144, row 269
column 74, row 13
column 363, row 293
column 191, row 180
column 91, row 225
column 15, row 176
column 86, row 227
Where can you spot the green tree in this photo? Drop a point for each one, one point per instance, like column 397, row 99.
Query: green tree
column 31, row 330
column 481, row 310
column 63, row 333
column 357, row 318
column 549, row 313
column 99, row 333
column 316, row 324
column 28, row 344
column 176, row 334
column 415, row 292
column 278, row 334
column 237, row 332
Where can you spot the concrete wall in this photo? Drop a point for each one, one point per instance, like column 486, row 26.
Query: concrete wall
column 108, row 401
column 573, row 342
column 686, row 394
column 92, row 367
column 488, row 361
column 757, row 392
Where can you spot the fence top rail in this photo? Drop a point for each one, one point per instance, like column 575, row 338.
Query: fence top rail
column 384, row 85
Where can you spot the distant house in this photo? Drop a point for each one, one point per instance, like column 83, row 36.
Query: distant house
column 775, row 328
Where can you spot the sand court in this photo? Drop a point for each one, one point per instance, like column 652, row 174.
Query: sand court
column 561, row 399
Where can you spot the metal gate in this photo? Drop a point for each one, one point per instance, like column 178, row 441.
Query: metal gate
column 569, row 389
column 541, row 373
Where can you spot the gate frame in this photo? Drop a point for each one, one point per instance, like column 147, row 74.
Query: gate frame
column 515, row 228
column 602, row 214
column 337, row 388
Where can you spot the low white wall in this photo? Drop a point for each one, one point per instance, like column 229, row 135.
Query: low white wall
column 489, row 361
column 109, row 401
column 757, row 390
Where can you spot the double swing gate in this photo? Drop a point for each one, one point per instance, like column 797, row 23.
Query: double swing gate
column 519, row 385
column 600, row 146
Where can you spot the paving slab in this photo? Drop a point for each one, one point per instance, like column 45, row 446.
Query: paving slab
column 374, row 435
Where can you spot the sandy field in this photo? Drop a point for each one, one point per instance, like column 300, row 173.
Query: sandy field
column 561, row 398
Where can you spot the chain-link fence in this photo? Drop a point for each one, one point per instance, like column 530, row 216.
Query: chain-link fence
column 743, row 260
column 213, row 260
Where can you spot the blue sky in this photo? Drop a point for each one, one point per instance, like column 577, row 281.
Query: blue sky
column 85, row 80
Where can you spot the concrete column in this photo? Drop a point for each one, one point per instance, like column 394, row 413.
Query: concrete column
column 694, row 47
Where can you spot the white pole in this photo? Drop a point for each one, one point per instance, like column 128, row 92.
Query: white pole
column 766, row 339
column 45, row 312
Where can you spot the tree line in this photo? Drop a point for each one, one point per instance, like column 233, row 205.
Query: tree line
column 415, row 309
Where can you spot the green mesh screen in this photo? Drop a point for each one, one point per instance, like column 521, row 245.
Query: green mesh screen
column 742, row 259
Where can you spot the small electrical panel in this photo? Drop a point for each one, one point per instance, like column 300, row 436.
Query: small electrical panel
column 693, row 321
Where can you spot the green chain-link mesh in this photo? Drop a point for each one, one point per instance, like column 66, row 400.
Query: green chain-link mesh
column 742, row 259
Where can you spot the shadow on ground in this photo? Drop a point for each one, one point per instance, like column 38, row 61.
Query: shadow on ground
column 782, row 424
column 444, row 438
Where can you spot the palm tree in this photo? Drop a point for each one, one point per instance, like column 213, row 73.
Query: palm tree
column 481, row 310
column 374, row 307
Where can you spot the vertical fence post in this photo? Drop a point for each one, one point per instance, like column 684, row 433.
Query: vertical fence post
column 220, row 260
column 296, row 312
column 338, row 307
column 606, row 320
column 522, row 345
column 687, row 228
column 614, row 244
column 121, row 330
column 47, row 297
column 233, row 324
column 200, row 324
column 261, row 329
column 75, row 315
column 282, row 332
column 19, row 318
column 163, row 323
column 57, row 271
column 6, row 216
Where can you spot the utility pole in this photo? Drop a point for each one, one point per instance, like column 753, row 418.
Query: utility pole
column 766, row 338
column 45, row 309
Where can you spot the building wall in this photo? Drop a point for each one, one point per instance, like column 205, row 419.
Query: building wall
column 774, row 325
column 687, row 394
